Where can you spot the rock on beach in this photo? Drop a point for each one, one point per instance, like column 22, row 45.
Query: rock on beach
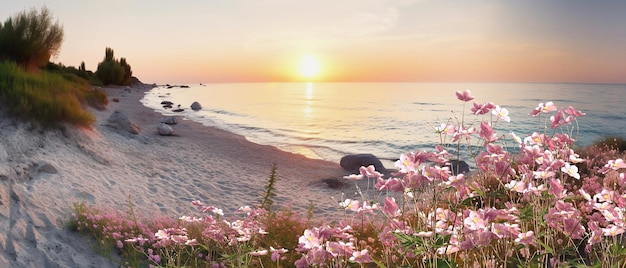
column 170, row 120
column 196, row 106
column 353, row 162
column 119, row 120
column 165, row 130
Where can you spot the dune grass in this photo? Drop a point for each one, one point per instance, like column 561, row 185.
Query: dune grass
column 47, row 98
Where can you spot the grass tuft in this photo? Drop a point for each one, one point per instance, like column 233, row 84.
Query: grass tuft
column 47, row 98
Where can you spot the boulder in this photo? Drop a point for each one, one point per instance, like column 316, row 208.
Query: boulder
column 119, row 120
column 170, row 120
column 167, row 103
column 165, row 130
column 459, row 167
column 196, row 106
column 353, row 162
column 46, row 168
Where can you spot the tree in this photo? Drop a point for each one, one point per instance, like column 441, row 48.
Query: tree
column 128, row 73
column 30, row 38
column 112, row 71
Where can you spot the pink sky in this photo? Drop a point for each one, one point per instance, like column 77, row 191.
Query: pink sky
column 354, row 40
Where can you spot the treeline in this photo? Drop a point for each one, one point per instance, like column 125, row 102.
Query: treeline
column 33, row 88
column 31, row 38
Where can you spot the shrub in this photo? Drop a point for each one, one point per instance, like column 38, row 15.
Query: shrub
column 47, row 98
column 30, row 38
column 111, row 71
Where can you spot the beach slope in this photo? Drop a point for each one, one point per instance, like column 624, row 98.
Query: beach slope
column 44, row 172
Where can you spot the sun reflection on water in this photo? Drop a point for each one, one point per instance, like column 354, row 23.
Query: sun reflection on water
column 308, row 109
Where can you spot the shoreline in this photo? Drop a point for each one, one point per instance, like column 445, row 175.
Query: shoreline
column 159, row 175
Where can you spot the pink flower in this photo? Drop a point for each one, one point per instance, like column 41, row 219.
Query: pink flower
column 362, row 256
column 605, row 196
column 565, row 218
column 276, row 253
column 614, row 165
column 570, row 110
column 501, row 113
column 479, row 109
column 571, row 170
column 370, row 172
column 339, row 248
column 505, row 230
column 544, row 174
column 260, row 252
column 367, row 208
column 517, row 186
column 350, row 204
column 555, row 121
column 575, row 158
column 612, row 230
column 354, row 177
column 456, row 181
column 614, row 215
column 596, row 233
column 535, row 139
column 464, row 95
column 446, row 129
column 556, row 188
column 585, row 195
column 393, row 184
column 391, row 208
column 487, row 132
column 463, row 132
column 516, row 138
column 543, row 108
column 475, row 221
column 310, row 239
column 527, row 238
column 446, row 250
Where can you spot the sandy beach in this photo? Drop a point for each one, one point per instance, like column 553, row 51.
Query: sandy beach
column 43, row 173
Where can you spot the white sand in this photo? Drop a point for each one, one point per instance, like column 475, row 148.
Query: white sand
column 162, row 175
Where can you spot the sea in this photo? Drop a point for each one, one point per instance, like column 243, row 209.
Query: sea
column 330, row 120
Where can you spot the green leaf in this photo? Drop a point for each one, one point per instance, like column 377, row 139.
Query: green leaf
column 379, row 264
column 545, row 246
column 470, row 201
column 477, row 190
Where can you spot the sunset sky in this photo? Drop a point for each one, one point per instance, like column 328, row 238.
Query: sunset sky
column 199, row 41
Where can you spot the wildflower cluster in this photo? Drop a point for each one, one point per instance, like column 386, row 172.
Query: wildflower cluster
column 210, row 240
column 518, row 208
column 531, row 200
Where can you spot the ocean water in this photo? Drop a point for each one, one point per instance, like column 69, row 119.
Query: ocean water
column 330, row 120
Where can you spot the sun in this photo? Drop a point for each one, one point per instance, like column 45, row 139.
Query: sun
column 309, row 67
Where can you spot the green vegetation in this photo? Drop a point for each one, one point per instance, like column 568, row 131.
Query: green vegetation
column 55, row 93
column 270, row 191
column 47, row 97
column 113, row 71
column 81, row 72
column 30, row 38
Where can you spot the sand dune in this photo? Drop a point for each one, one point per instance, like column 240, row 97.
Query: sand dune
column 42, row 173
